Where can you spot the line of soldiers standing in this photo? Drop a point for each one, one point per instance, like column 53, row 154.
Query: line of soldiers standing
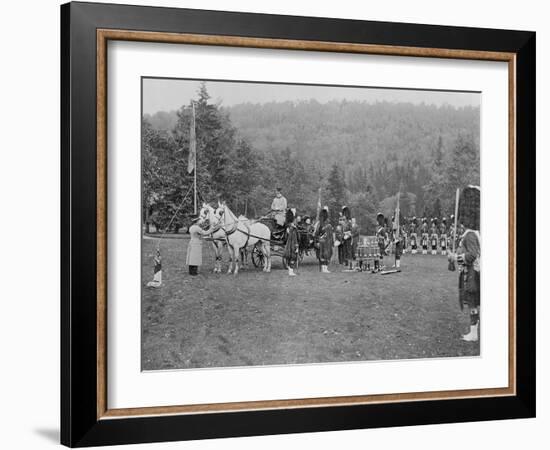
column 437, row 235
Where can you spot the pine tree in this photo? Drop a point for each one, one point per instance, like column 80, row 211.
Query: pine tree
column 215, row 139
column 336, row 192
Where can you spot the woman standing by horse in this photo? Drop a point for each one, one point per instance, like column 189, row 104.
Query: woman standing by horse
column 194, row 248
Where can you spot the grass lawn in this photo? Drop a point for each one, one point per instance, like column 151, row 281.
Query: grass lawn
column 255, row 318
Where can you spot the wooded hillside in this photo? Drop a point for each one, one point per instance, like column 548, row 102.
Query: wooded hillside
column 360, row 154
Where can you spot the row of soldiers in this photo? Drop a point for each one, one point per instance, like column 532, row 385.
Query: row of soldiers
column 418, row 235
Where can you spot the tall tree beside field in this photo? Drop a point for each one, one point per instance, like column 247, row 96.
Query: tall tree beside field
column 336, row 192
column 215, row 141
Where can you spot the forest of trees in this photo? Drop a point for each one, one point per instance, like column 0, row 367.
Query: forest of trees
column 360, row 154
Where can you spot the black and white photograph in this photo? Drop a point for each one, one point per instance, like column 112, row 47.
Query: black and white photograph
column 300, row 224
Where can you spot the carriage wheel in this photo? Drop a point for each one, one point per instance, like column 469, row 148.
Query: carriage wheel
column 258, row 257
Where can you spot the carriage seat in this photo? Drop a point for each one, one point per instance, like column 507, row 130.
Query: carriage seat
column 278, row 233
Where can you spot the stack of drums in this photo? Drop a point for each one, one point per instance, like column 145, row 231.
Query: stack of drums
column 367, row 252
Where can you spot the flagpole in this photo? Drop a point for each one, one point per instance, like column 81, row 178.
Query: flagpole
column 195, row 168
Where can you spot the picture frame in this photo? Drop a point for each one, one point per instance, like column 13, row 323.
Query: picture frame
column 86, row 419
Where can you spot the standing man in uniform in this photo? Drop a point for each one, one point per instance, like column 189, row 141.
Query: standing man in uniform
column 292, row 245
column 346, row 237
column 381, row 236
column 339, row 239
column 468, row 256
column 443, row 236
column 324, row 240
column 355, row 235
column 397, row 236
column 433, row 236
column 424, row 230
column 413, row 235
column 278, row 207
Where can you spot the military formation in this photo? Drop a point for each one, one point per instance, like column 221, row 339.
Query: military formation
column 433, row 236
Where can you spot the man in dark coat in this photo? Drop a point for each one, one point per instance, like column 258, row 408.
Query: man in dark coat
column 443, row 236
column 292, row 245
column 397, row 237
column 324, row 240
column 468, row 256
column 339, row 239
column 355, row 235
column 347, row 251
column 413, row 236
column 424, row 239
column 381, row 236
column 433, row 236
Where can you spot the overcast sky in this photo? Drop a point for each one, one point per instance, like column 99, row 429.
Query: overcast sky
column 171, row 94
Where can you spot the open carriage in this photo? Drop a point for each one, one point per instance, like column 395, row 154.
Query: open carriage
column 278, row 243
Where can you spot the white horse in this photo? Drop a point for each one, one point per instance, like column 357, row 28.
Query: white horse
column 218, row 236
column 241, row 233
column 213, row 216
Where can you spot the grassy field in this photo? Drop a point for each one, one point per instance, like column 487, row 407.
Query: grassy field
column 255, row 318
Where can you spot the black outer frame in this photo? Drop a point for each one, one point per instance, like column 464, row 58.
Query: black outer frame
column 79, row 424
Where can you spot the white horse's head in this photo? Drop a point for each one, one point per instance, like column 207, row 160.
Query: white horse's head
column 210, row 214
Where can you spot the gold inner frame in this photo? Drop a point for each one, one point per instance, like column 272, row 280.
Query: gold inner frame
column 104, row 35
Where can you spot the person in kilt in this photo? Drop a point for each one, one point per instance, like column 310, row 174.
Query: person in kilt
column 404, row 236
column 398, row 241
column 355, row 235
column 433, row 236
column 468, row 256
column 339, row 238
column 292, row 245
column 424, row 231
column 347, row 253
column 443, row 235
column 381, row 236
column 413, row 236
column 324, row 239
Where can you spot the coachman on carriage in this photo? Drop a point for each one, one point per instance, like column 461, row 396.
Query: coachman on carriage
column 280, row 235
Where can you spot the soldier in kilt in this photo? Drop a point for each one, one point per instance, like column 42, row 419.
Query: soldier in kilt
column 292, row 244
column 324, row 240
column 381, row 236
column 355, row 235
column 433, row 236
column 339, row 238
column 468, row 256
column 398, row 241
column 443, row 236
column 424, row 230
column 347, row 253
column 413, row 236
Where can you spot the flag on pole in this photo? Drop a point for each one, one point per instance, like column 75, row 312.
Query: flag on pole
column 319, row 205
column 192, row 145
column 397, row 213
